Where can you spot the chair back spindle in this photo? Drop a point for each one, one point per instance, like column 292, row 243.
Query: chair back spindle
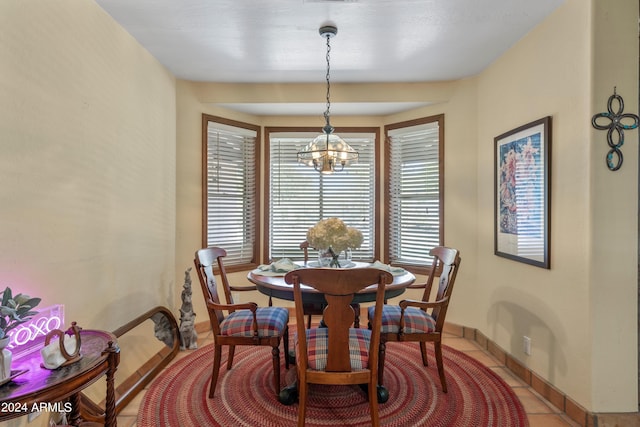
column 448, row 261
column 205, row 261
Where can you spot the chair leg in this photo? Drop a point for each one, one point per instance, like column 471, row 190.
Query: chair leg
column 217, row 354
column 276, row 368
column 373, row 404
column 232, row 351
column 438, row 351
column 423, row 351
column 309, row 321
column 303, row 389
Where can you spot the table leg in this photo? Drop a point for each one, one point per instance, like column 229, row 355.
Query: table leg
column 74, row 418
column 110, row 403
column 381, row 393
column 289, row 394
column 291, row 356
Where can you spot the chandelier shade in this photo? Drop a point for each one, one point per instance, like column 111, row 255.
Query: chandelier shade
column 328, row 153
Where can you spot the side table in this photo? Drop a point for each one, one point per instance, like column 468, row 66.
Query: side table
column 40, row 389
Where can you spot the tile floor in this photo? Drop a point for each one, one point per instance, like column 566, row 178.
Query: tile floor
column 541, row 413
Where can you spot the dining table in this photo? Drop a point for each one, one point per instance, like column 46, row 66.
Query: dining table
column 269, row 280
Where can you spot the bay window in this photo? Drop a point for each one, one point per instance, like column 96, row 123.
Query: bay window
column 414, row 190
column 299, row 196
column 230, row 196
column 296, row 196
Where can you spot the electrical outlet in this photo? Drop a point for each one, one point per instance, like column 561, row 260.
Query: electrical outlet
column 526, row 345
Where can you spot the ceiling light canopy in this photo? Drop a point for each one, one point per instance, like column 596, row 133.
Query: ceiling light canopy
column 328, row 153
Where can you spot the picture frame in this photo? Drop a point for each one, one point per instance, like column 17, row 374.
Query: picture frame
column 522, row 175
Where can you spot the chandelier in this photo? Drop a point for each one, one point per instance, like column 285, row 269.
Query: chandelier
column 327, row 153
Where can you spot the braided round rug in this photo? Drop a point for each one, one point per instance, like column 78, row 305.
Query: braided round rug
column 245, row 396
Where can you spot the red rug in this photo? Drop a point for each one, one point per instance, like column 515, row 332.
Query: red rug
column 245, row 395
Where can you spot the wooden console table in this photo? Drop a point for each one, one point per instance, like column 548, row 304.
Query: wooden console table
column 59, row 390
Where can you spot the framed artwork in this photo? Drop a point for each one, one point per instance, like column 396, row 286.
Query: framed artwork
column 521, row 193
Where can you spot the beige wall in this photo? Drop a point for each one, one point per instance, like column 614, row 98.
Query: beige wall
column 87, row 123
column 547, row 73
column 613, row 251
column 575, row 311
column 88, row 163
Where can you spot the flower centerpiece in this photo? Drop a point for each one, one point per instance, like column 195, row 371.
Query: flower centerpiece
column 333, row 236
column 14, row 311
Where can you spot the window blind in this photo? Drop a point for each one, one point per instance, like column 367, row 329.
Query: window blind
column 415, row 196
column 300, row 196
column 230, row 190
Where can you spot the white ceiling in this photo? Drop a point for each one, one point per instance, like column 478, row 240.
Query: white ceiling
column 276, row 41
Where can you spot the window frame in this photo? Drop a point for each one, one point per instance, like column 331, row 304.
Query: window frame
column 439, row 118
column 377, row 209
column 206, row 118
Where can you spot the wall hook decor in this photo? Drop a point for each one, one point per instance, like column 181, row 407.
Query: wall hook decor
column 613, row 122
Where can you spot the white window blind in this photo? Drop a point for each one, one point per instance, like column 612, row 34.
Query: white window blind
column 300, row 196
column 415, row 195
column 230, row 191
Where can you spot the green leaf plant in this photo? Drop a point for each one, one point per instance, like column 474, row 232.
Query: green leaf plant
column 15, row 310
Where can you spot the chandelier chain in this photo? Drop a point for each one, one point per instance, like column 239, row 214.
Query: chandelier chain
column 327, row 113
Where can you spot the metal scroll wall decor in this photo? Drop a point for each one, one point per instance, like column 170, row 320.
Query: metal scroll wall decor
column 613, row 123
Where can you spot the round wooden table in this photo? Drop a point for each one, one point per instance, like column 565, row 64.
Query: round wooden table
column 36, row 386
column 273, row 285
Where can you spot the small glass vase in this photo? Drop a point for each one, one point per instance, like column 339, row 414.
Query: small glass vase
column 329, row 258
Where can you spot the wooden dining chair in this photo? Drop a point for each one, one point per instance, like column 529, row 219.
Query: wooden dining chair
column 338, row 353
column 421, row 321
column 311, row 309
column 245, row 323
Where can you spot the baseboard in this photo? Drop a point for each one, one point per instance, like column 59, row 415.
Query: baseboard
column 559, row 399
column 202, row 327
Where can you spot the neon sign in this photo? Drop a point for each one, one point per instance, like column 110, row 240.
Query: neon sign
column 47, row 319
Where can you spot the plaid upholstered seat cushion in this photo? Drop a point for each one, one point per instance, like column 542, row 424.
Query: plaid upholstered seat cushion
column 317, row 347
column 416, row 321
column 271, row 322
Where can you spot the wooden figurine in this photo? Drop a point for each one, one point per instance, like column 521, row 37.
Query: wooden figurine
column 188, row 335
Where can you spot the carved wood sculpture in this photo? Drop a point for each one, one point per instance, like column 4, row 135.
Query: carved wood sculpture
column 188, row 335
